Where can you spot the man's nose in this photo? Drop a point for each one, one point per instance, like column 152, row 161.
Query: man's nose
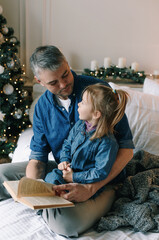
column 63, row 83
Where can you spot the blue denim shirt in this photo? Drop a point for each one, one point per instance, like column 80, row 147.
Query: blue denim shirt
column 91, row 160
column 52, row 123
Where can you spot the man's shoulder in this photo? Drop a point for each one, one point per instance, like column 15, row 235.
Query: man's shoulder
column 46, row 96
column 44, row 100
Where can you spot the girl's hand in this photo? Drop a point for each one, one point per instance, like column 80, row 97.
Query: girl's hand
column 63, row 165
column 68, row 174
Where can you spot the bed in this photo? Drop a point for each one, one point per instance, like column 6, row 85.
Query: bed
column 21, row 223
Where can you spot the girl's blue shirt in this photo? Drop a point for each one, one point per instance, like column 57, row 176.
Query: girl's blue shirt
column 91, row 160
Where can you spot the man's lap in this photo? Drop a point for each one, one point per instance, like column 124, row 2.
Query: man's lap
column 75, row 220
column 65, row 221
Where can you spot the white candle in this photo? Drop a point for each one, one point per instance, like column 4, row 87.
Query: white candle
column 122, row 62
column 94, row 65
column 135, row 66
column 107, row 62
column 156, row 74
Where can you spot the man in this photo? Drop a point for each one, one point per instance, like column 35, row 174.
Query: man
column 54, row 115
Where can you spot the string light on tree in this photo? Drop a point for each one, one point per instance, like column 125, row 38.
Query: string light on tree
column 13, row 98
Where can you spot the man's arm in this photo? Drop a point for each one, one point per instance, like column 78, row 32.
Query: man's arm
column 82, row 192
column 123, row 157
column 35, row 169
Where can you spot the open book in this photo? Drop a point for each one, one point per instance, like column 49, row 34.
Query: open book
column 36, row 194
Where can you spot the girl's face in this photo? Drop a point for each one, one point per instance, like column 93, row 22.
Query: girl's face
column 85, row 109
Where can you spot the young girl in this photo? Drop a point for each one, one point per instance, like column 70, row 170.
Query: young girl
column 90, row 150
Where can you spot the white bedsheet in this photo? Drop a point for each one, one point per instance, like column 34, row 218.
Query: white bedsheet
column 17, row 222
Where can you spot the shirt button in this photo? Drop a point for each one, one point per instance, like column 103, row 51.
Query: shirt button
column 63, row 109
column 71, row 123
column 74, row 94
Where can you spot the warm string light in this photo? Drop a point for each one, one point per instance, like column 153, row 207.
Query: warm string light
column 116, row 72
column 10, row 70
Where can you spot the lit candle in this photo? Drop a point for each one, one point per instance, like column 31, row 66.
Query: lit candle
column 121, row 62
column 135, row 66
column 107, row 62
column 94, row 65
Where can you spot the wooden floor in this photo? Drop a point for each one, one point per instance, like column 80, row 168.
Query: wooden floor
column 5, row 160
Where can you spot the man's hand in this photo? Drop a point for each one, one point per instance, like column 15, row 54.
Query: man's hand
column 75, row 192
column 63, row 165
column 68, row 175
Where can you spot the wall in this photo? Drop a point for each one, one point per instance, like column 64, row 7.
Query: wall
column 89, row 29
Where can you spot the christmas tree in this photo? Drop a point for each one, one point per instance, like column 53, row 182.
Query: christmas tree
column 14, row 104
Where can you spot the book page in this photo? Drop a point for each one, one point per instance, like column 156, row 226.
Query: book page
column 12, row 188
column 45, row 202
column 34, row 187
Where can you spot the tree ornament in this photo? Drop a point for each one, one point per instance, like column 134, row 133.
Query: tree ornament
column 24, row 93
column 1, row 38
column 13, row 119
column 17, row 113
column 8, row 89
column 13, row 40
column 27, row 111
column 1, row 69
column 11, row 64
column 1, row 9
column 3, row 139
column 5, row 29
column 2, row 116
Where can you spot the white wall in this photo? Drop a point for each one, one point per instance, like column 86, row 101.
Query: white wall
column 90, row 29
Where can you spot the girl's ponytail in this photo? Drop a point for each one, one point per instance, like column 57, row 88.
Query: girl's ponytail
column 122, row 98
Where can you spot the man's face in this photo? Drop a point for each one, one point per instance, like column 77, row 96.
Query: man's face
column 60, row 82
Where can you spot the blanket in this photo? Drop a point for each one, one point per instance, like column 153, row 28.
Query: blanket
column 137, row 200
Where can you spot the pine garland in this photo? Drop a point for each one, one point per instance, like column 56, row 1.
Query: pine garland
column 116, row 73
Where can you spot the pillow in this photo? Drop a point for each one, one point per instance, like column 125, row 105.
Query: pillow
column 22, row 151
column 151, row 86
column 31, row 110
column 142, row 111
column 38, row 90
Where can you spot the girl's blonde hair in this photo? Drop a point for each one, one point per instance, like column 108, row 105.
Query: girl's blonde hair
column 111, row 104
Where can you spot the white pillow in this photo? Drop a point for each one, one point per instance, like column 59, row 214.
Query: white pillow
column 151, row 86
column 142, row 111
column 22, row 151
column 31, row 110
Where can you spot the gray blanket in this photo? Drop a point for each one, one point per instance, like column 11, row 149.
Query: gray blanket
column 137, row 202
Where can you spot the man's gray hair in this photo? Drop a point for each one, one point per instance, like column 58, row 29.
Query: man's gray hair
column 46, row 57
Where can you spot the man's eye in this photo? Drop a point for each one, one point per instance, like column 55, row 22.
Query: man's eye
column 53, row 83
column 65, row 75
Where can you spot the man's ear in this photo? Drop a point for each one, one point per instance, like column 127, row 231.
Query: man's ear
column 38, row 81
